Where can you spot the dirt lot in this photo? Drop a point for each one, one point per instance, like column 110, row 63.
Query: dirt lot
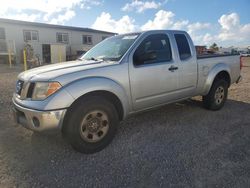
column 178, row 145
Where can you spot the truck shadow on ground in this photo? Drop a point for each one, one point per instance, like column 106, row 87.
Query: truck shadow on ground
column 179, row 144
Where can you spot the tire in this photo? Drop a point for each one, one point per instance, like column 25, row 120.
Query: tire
column 217, row 95
column 91, row 124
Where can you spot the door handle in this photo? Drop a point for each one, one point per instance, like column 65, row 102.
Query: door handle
column 172, row 68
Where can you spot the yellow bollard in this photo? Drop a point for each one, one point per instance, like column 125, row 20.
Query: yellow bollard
column 24, row 60
column 9, row 53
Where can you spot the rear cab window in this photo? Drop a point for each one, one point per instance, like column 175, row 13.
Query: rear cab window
column 183, row 46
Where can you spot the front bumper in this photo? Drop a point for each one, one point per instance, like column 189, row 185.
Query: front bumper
column 38, row 120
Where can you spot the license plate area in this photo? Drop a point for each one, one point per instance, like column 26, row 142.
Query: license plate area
column 18, row 115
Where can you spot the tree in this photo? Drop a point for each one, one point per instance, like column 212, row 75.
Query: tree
column 214, row 47
column 234, row 51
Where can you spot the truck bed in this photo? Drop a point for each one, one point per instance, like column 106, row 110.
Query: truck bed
column 214, row 55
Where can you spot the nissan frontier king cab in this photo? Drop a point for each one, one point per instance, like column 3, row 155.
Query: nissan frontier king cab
column 124, row 74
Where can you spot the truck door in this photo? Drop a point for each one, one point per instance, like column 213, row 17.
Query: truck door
column 187, row 64
column 153, row 73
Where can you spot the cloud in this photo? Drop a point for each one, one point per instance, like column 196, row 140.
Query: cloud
column 199, row 32
column 88, row 4
column 46, row 7
column 227, row 31
column 228, row 22
column 180, row 24
column 162, row 20
column 192, row 28
column 23, row 16
column 166, row 20
column 140, row 6
column 61, row 18
column 208, row 38
column 107, row 23
column 44, row 10
column 231, row 29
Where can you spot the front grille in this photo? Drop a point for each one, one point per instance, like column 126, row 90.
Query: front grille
column 19, row 87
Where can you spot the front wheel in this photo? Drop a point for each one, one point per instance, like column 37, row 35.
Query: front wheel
column 217, row 95
column 91, row 124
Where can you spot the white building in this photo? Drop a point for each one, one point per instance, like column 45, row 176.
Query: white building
column 229, row 50
column 48, row 41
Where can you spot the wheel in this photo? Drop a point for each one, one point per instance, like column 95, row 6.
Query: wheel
column 217, row 95
column 91, row 124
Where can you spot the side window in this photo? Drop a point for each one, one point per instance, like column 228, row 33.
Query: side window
column 183, row 46
column 153, row 49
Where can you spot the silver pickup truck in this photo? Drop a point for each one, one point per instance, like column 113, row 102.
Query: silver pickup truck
column 120, row 76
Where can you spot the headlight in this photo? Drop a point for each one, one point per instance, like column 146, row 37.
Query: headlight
column 44, row 89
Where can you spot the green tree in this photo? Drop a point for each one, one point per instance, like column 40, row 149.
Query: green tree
column 214, row 47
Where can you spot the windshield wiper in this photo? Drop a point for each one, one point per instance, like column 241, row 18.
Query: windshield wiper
column 94, row 59
column 111, row 59
column 100, row 59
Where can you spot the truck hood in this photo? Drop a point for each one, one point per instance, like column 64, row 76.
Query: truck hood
column 50, row 72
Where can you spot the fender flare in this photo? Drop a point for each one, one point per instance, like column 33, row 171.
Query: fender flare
column 84, row 86
column 221, row 67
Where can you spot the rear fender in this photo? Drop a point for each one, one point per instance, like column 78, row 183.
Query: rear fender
column 212, row 74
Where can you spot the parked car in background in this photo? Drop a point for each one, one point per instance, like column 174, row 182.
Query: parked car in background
column 245, row 54
column 125, row 74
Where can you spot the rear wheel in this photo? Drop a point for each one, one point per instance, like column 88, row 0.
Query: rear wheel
column 217, row 95
column 91, row 124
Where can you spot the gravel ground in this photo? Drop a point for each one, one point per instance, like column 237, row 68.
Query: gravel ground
column 178, row 145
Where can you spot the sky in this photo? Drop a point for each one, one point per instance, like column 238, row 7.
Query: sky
column 225, row 22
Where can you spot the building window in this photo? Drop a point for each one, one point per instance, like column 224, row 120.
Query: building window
column 2, row 33
column 62, row 37
column 87, row 39
column 30, row 35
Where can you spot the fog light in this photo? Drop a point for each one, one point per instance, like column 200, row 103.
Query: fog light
column 36, row 122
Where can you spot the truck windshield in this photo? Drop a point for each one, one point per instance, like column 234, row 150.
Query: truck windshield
column 111, row 49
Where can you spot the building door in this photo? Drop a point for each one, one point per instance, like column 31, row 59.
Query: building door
column 46, row 53
column 58, row 53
